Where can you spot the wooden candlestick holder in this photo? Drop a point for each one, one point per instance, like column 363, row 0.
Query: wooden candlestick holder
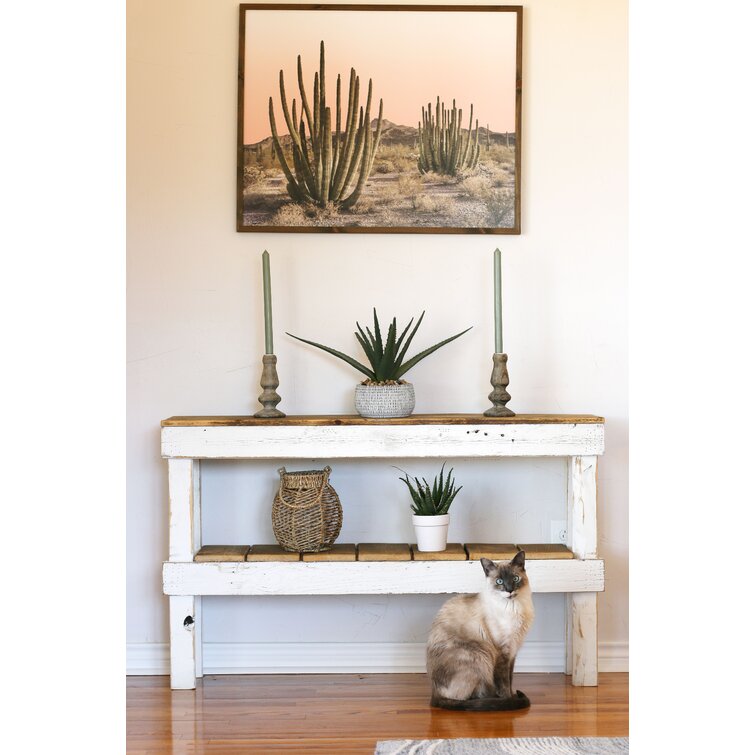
column 269, row 382
column 500, row 381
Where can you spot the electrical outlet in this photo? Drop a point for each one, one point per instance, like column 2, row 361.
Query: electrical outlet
column 558, row 531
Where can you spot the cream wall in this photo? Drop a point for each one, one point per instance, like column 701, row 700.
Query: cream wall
column 195, row 328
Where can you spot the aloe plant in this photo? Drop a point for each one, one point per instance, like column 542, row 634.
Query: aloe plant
column 387, row 357
column 435, row 500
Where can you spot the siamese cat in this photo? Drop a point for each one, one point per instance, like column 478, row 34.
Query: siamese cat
column 474, row 640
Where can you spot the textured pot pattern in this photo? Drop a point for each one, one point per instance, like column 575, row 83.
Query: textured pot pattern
column 431, row 531
column 384, row 401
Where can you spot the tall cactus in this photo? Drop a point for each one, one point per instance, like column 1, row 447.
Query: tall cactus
column 443, row 146
column 327, row 168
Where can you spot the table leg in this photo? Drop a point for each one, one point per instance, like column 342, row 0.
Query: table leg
column 184, row 539
column 582, row 538
column 182, row 642
column 584, row 613
column 196, row 534
column 568, row 644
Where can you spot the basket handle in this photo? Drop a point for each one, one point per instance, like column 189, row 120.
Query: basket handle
column 325, row 479
column 281, row 472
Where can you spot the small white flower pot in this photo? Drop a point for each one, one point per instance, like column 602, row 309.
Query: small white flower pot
column 431, row 531
column 384, row 401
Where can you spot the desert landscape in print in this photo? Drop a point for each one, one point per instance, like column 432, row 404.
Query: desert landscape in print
column 341, row 131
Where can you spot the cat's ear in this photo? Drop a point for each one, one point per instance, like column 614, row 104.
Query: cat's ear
column 487, row 565
column 518, row 560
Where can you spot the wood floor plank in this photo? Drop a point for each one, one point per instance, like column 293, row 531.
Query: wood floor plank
column 348, row 713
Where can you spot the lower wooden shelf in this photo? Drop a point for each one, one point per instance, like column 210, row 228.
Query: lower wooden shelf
column 383, row 552
column 367, row 577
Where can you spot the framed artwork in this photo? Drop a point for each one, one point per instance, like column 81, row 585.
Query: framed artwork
column 379, row 118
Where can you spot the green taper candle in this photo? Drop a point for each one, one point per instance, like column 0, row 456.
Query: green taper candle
column 268, row 303
column 497, row 301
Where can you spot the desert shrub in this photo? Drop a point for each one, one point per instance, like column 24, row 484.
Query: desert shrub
column 409, row 184
column 431, row 203
column 498, row 153
column 497, row 163
column 252, row 175
column 433, row 179
column 260, row 155
column 501, row 177
column 366, row 204
column 501, row 208
column 290, row 214
column 403, row 158
column 388, row 193
column 269, row 161
column 477, row 187
column 384, row 166
column 390, row 151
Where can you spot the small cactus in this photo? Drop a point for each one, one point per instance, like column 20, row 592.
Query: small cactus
column 444, row 147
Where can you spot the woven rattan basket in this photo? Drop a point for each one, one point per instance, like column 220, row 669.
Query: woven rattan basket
column 307, row 513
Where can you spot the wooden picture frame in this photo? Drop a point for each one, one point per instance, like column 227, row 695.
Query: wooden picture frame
column 421, row 104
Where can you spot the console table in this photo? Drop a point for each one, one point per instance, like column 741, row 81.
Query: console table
column 186, row 441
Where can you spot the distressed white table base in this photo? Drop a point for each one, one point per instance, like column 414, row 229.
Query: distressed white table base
column 367, row 577
column 584, row 639
column 185, row 539
column 582, row 539
column 185, row 581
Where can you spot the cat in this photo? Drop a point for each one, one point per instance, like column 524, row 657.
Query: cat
column 474, row 641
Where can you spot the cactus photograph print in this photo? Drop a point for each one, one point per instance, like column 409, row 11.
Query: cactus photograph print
column 379, row 119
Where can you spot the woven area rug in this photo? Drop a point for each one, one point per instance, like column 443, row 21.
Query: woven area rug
column 509, row 746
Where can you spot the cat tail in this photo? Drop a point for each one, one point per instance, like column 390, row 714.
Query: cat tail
column 519, row 701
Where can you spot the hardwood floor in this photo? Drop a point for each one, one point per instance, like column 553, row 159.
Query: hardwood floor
column 348, row 713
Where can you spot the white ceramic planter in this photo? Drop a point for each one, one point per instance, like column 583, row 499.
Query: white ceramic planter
column 431, row 531
column 384, row 401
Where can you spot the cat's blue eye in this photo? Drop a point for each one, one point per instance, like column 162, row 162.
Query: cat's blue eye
column 499, row 581
column 516, row 578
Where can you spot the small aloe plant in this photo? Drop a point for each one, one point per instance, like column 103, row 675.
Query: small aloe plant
column 435, row 500
column 387, row 357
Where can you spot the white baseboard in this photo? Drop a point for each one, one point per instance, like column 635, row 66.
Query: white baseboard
column 345, row 657
column 147, row 658
column 613, row 657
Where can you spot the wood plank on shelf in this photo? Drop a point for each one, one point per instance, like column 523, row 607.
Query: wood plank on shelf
column 338, row 552
column 355, row 419
column 383, row 552
column 493, row 551
column 221, row 553
column 453, row 552
column 544, row 551
column 271, row 553
column 368, row 577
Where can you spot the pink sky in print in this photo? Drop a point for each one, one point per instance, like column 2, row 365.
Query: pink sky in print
column 411, row 56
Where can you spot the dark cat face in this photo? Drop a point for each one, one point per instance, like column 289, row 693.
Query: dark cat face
column 506, row 578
